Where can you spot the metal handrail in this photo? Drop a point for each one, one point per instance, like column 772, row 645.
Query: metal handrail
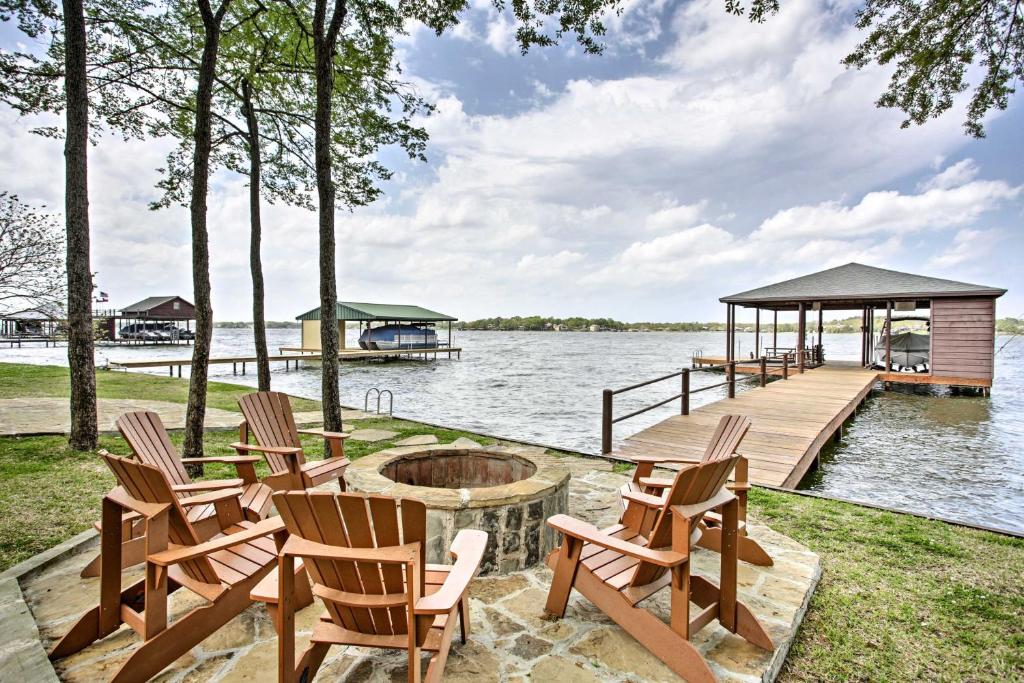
column 608, row 395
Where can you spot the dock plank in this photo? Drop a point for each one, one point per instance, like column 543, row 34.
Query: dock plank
column 791, row 421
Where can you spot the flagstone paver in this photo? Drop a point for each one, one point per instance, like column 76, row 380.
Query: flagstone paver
column 512, row 639
column 372, row 435
column 418, row 440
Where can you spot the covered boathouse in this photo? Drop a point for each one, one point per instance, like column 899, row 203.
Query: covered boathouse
column 368, row 314
column 961, row 318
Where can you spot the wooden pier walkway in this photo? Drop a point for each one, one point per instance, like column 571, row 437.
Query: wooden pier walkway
column 792, row 420
column 286, row 358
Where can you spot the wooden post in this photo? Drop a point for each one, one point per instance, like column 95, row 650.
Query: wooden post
column 888, row 336
column 775, row 332
column 800, row 336
column 606, row 422
column 785, row 366
column 728, row 327
column 732, row 378
column 757, row 332
column 764, row 371
column 684, row 407
column 821, row 328
column 449, row 340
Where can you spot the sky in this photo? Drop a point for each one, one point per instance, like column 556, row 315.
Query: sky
column 699, row 156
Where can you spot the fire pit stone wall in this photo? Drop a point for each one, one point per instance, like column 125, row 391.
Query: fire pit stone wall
column 506, row 491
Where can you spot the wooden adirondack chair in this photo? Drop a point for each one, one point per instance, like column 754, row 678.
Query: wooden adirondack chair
column 146, row 436
column 268, row 415
column 221, row 570
column 723, row 444
column 618, row 567
column 365, row 555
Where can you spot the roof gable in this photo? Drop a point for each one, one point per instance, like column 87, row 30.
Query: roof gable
column 855, row 281
column 151, row 302
column 350, row 310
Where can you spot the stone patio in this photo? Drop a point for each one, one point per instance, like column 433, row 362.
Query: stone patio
column 512, row 640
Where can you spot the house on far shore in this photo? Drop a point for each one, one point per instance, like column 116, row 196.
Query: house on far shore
column 148, row 314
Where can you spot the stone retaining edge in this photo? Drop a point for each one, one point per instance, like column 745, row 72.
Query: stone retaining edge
column 781, row 652
column 23, row 657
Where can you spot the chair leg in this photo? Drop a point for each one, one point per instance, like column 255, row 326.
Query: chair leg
column 670, row 647
column 566, row 564
column 133, row 552
column 464, row 617
column 185, row 633
column 750, row 551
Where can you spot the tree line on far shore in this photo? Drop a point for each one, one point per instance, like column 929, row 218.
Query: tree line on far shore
column 536, row 323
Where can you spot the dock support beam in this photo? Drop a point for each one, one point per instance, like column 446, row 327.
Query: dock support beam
column 684, row 405
column 606, row 422
column 801, row 335
column 888, row 336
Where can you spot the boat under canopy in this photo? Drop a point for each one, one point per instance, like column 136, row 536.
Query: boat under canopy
column 908, row 350
column 388, row 337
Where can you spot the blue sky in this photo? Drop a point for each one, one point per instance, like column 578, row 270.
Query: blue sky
column 699, row 156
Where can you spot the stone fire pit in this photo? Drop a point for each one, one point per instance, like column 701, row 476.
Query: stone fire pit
column 506, row 491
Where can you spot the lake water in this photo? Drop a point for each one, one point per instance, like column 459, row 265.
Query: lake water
column 920, row 450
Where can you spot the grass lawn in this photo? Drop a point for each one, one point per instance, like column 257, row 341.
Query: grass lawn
column 900, row 598
column 26, row 381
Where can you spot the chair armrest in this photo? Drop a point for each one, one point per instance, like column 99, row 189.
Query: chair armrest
column 690, row 511
column 656, row 482
column 591, row 534
column 212, row 485
column 645, row 499
column 212, row 497
column 227, row 459
column 142, row 508
column 468, row 551
column 186, row 553
column 279, row 450
column 665, row 458
column 301, row 547
column 340, row 436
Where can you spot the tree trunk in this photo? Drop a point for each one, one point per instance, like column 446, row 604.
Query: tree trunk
column 259, row 325
column 324, row 40
column 200, row 237
column 76, row 210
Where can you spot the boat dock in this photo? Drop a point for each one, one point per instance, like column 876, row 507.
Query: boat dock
column 286, row 358
column 792, row 421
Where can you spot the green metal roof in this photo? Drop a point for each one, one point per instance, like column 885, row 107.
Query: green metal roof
column 349, row 310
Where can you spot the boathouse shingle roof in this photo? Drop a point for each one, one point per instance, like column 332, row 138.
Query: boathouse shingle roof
column 349, row 310
column 855, row 282
column 151, row 302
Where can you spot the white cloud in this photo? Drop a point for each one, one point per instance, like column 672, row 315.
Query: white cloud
column 968, row 246
column 890, row 211
column 960, row 173
column 675, row 217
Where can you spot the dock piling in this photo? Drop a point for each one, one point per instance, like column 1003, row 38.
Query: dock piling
column 606, row 421
column 684, row 406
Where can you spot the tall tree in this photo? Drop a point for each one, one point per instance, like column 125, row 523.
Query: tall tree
column 937, row 48
column 29, row 83
column 81, row 359
column 264, row 115
column 212, row 20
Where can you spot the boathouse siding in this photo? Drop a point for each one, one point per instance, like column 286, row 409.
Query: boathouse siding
column 963, row 337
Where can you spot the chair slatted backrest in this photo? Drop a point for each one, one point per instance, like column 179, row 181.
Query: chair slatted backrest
column 147, row 437
column 270, row 419
column 727, row 437
column 358, row 521
column 692, row 485
column 148, row 484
